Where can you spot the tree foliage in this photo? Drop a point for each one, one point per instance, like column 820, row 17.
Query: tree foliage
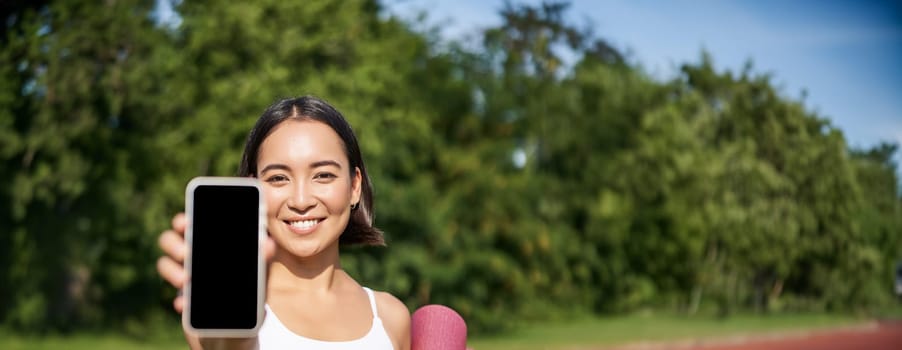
column 511, row 185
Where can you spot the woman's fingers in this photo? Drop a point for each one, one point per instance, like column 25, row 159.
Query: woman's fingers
column 179, row 303
column 179, row 222
column 173, row 244
column 171, row 271
column 170, row 267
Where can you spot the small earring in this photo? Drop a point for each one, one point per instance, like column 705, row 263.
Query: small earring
column 354, row 206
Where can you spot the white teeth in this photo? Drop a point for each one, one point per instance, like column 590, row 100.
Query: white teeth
column 303, row 224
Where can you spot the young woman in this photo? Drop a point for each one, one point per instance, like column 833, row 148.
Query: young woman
column 318, row 198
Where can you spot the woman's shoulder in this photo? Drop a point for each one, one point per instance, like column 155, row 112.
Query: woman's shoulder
column 395, row 316
column 390, row 306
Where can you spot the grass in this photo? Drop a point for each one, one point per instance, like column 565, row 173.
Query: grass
column 600, row 332
column 583, row 332
column 86, row 341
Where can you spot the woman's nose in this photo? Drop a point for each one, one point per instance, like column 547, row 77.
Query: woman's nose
column 301, row 199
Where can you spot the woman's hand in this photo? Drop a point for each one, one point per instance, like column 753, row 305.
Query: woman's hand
column 172, row 265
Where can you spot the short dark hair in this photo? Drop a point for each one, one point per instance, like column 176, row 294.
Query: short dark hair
column 360, row 229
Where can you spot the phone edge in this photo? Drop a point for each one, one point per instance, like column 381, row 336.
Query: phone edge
column 261, row 270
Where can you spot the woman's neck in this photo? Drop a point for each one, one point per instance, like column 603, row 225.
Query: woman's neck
column 319, row 273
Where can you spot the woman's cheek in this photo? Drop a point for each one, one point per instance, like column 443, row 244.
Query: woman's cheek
column 274, row 198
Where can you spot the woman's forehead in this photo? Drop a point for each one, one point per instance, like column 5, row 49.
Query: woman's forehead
column 302, row 140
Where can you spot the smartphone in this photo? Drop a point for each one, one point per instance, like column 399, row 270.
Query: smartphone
column 225, row 287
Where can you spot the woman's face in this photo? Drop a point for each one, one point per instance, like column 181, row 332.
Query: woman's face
column 308, row 187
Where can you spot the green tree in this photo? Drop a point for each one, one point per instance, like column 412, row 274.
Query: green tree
column 76, row 169
column 878, row 219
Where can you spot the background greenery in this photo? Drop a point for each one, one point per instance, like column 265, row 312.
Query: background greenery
column 512, row 187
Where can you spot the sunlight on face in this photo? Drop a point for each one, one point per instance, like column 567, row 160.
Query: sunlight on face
column 308, row 185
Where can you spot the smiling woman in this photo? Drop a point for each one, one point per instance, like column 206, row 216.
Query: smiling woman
column 318, row 197
column 325, row 118
column 309, row 193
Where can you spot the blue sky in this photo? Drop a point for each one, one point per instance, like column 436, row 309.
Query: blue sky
column 847, row 55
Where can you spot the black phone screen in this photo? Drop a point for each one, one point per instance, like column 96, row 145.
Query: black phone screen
column 224, row 262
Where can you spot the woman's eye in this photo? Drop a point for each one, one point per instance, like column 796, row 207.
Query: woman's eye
column 276, row 178
column 324, row 176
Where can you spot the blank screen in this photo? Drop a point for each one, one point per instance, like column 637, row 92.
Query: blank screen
column 224, row 257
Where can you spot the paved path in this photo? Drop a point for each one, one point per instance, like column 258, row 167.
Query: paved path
column 873, row 336
column 876, row 336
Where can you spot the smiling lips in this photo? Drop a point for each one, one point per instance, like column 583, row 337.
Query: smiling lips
column 303, row 226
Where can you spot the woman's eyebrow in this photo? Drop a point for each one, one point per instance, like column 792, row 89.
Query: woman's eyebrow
column 276, row 166
column 320, row 163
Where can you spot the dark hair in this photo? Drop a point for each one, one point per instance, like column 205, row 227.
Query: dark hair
column 360, row 228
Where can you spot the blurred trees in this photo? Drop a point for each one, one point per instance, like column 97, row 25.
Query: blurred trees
column 511, row 185
column 79, row 162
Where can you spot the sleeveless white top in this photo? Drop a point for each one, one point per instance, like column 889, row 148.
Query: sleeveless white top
column 274, row 335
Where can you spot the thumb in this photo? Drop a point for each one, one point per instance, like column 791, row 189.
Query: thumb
column 269, row 249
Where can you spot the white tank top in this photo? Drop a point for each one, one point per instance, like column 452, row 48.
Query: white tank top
column 274, row 335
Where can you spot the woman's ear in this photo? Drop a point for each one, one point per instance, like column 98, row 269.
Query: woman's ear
column 356, row 186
